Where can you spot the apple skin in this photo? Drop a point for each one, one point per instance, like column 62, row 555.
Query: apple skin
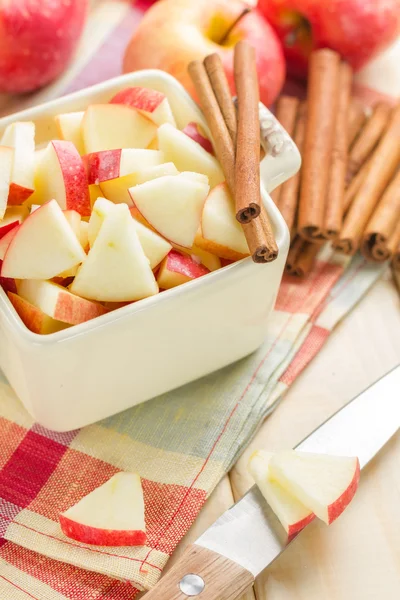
column 37, row 40
column 194, row 131
column 101, row 537
column 356, row 29
column 175, row 32
column 336, row 508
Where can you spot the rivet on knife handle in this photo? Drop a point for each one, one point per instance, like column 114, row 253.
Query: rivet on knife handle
column 203, row 573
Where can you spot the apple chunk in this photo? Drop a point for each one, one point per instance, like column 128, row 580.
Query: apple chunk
column 6, row 167
column 179, row 268
column 293, row 515
column 188, row 155
column 21, row 137
column 70, row 128
column 194, row 131
column 33, row 318
column 114, row 126
column 150, row 173
column 325, row 484
column 152, row 104
column 116, row 268
column 58, row 303
column 63, row 177
column 172, row 205
column 44, row 246
column 221, row 233
column 111, row 515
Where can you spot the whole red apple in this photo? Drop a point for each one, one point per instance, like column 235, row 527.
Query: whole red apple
column 37, row 39
column 175, row 32
column 357, row 29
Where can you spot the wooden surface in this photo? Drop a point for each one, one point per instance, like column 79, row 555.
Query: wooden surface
column 358, row 557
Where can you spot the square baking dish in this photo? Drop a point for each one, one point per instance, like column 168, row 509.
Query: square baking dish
column 82, row 374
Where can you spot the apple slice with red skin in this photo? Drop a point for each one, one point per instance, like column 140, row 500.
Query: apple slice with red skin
column 58, row 303
column 325, row 484
column 178, row 268
column 70, row 128
column 292, row 514
column 196, row 132
column 6, row 240
column 113, row 126
column 21, row 137
column 111, row 515
column 33, row 318
column 172, row 205
column 63, row 177
column 43, row 246
column 152, row 104
column 13, row 217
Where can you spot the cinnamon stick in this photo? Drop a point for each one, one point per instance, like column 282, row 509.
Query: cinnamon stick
column 247, row 172
column 336, row 188
column 289, row 195
column 220, row 85
column 322, row 99
column 223, row 144
column 357, row 118
column 355, row 185
column 368, row 138
column 377, row 239
column 301, row 257
column 286, row 113
column 383, row 165
column 260, row 238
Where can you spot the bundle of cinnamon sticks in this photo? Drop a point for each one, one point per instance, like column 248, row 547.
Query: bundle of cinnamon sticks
column 348, row 189
column 236, row 135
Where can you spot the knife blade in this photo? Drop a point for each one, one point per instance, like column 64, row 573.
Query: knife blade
column 226, row 558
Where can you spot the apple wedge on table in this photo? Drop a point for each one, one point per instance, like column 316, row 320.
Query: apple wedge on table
column 21, row 137
column 111, row 515
column 116, row 268
column 63, row 177
column 152, row 104
column 173, row 205
column 113, row 126
column 324, row 483
column 221, row 233
column 178, row 268
column 187, row 154
column 293, row 515
column 43, row 246
column 58, row 303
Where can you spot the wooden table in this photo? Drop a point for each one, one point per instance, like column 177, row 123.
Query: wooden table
column 358, row 557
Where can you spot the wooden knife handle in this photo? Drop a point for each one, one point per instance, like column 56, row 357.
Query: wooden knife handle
column 203, row 574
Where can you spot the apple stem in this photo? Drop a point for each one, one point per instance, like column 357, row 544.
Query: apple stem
column 244, row 12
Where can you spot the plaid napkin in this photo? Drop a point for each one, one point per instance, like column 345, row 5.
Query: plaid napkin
column 181, row 443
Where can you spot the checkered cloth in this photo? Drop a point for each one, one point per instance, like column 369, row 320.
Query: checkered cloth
column 181, row 443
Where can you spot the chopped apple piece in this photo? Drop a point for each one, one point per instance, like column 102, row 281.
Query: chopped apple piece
column 14, row 215
column 150, row 103
column 94, row 193
column 140, row 218
column 83, row 235
column 33, row 318
column 58, row 303
column 199, row 255
column 196, row 132
column 154, row 172
column 6, row 168
column 116, row 268
column 6, row 240
column 172, row 205
column 293, row 515
column 21, row 137
column 101, row 208
column 325, row 484
column 44, row 246
column 179, row 268
column 64, row 177
column 188, row 155
column 113, row 126
column 70, row 128
column 7, row 283
column 74, row 219
column 111, row 515
column 39, row 176
column 222, row 234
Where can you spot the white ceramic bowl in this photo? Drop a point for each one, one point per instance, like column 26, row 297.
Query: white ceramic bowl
column 90, row 371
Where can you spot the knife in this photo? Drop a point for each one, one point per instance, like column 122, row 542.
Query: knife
column 223, row 563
